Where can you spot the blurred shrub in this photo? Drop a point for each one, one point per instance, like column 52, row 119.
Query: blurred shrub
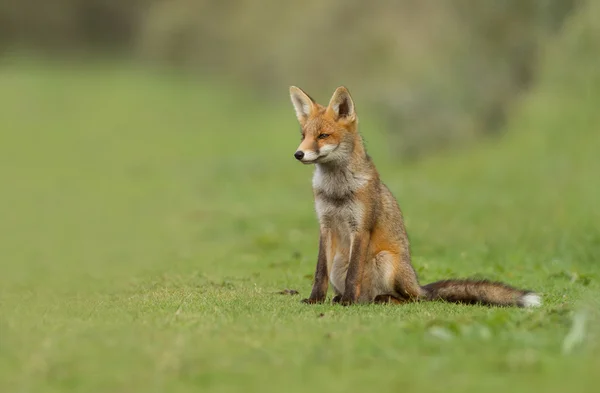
column 65, row 25
column 438, row 73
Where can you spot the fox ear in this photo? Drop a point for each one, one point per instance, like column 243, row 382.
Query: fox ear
column 303, row 104
column 341, row 105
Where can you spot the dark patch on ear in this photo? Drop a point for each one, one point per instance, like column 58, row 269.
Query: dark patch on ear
column 344, row 108
column 298, row 101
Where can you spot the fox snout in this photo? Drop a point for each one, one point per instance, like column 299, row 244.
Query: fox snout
column 306, row 156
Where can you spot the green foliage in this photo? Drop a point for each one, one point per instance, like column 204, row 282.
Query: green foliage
column 439, row 74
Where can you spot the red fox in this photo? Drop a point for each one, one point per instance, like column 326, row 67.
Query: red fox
column 363, row 247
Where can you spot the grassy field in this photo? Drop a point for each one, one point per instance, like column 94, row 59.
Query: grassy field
column 147, row 223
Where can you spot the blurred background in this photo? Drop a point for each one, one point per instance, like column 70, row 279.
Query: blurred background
column 438, row 75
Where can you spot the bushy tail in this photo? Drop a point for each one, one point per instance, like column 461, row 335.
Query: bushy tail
column 480, row 292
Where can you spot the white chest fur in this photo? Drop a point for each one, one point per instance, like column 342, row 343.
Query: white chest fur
column 335, row 202
column 338, row 183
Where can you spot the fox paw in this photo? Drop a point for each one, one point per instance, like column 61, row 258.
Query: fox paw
column 346, row 301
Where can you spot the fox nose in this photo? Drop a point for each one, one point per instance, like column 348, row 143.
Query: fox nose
column 299, row 155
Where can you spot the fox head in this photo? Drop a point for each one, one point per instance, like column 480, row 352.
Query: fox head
column 328, row 133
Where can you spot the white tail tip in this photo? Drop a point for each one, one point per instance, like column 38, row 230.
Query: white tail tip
column 530, row 300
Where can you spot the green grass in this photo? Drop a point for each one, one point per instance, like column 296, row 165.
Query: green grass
column 147, row 223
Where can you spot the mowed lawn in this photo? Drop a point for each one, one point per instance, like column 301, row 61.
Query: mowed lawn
column 148, row 222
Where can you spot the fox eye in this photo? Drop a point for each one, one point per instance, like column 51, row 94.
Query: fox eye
column 323, row 136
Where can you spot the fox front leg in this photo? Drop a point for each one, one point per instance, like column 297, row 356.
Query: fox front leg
column 321, row 283
column 354, row 276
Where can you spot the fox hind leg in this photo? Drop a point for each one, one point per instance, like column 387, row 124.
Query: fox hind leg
column 394, row 276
